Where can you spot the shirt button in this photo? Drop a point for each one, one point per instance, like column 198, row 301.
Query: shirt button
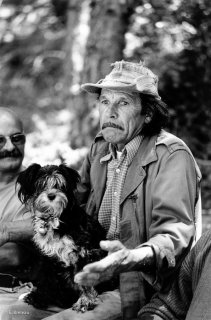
column 113, row 218
column 118, row 170
column 115, row 193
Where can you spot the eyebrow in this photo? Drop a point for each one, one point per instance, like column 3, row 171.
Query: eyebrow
column 102, row 97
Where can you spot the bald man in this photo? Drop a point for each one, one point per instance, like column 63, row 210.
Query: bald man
column 12, row 143
column 16, row 251
column 18, row 261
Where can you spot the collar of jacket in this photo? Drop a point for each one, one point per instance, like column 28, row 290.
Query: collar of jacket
column 146, row 153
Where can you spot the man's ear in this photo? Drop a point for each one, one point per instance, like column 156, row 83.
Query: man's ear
column 26, row 181
column 147, row 119
column 148, row 116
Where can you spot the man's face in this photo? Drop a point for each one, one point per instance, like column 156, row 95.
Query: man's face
column 120, row 116
column 11, row 155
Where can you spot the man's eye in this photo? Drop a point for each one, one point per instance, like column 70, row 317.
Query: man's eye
column 124, row 103
column 104, row 101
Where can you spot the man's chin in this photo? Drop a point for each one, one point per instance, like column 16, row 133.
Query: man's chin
column 10, row 163
column 112, row 135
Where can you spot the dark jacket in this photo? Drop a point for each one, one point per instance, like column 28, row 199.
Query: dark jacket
column 157, row 208
column 189, row 297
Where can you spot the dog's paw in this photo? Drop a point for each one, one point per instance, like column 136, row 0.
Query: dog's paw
column 87, row 301
column 83, row 304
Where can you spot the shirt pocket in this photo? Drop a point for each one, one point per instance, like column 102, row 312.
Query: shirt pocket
column 133, row 219
column 125, row 232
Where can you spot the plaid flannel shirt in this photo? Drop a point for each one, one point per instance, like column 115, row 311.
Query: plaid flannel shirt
column 109, row 216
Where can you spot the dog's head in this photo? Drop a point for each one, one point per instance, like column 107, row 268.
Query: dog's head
column 46, row 191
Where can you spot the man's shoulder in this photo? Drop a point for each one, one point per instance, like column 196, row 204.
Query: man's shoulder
column 171, row 141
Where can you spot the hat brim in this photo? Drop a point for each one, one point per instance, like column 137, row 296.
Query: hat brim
column 93, row 88
column 96, row 88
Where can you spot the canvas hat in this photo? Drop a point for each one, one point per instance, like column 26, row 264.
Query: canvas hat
column 128, row 76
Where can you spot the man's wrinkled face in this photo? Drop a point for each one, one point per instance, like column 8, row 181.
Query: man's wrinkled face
column 120, row 116
column 11, row 155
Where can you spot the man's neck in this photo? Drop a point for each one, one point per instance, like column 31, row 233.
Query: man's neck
column 7, row 177
column 120, row 147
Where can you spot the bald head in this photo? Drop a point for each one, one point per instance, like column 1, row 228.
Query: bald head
column 6, row 114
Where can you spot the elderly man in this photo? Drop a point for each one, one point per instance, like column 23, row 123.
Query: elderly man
column 142, row 184
column 15, row 221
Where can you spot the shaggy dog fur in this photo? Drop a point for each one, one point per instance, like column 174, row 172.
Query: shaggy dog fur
column 66, row 236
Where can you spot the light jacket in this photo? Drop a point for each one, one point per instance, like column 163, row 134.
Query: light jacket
column 157, row 208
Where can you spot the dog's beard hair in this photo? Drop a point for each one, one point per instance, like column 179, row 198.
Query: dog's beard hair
column 63, row 248
column 53, row 208
column 46, row 215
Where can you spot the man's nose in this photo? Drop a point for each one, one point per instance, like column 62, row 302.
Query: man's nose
column 9, row 146
column 113, row 111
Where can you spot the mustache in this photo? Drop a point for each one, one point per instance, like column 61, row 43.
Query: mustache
column 10, row 154
column 112, row 125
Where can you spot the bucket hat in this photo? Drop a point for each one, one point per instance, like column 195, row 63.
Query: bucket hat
column 130, row 76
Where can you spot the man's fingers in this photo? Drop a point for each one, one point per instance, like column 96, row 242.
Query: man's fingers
column 108, row 262
column 98, row 266
column 102, row 270
column 87, row 279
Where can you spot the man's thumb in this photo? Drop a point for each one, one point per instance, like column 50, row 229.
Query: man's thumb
column 111, row 246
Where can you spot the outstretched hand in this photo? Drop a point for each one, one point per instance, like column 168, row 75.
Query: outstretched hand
column 119, row 259
column 104, row 269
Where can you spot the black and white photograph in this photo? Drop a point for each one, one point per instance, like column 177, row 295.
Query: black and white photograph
column 105, row 160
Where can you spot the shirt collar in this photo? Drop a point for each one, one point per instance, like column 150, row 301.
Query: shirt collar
column 129, row 150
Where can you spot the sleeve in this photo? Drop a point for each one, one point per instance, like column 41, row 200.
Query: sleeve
column 172, row 227
column 175, row 303
column 23, row 214
column 13, row 209
column 84, row 186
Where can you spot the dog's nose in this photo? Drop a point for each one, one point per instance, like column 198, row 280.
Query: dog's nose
column 51, row 196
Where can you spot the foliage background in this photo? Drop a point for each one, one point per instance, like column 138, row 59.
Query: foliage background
column 49, row 47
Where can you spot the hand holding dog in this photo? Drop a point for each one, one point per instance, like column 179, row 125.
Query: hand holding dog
column 119, row 259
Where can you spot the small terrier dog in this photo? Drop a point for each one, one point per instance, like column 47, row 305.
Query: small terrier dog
column 65, row 235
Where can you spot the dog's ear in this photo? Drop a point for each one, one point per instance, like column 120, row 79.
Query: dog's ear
column 72, row 176
column 26, row 181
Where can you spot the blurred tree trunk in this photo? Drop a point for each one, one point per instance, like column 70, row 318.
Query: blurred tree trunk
column 109, row 21
column 73, row 14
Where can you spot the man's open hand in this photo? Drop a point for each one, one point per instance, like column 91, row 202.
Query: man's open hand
column 119, row 259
